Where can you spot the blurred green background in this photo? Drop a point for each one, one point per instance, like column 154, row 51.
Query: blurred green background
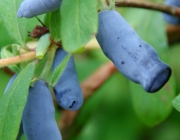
column 120, row 109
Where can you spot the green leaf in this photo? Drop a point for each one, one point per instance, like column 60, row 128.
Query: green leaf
column 176, row 103
column 10, row 51
column 42, row 46
column 0, row 23
column 152, row 109
column 16, row 28
column 12, row 104
column 174, row 57
column 54, row 25
column 78, row 23
column 59, row 70
column 46, row 19
column 4, row 37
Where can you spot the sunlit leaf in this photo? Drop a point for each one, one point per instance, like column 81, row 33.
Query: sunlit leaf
column 59, row 70
column 54, row 25
column 78, row 23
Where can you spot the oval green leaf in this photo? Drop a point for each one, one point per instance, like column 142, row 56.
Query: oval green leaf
column 59, row 70
column 176, row 103
column 54, row 25
column 152, row 109
column 78, row 23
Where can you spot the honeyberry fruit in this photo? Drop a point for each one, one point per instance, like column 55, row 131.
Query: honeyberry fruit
column 31, row 8
column 38, row 116
column 67, row 90
column 132, row 56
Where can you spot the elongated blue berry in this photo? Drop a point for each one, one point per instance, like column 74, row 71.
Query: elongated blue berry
column 67, row 90
column 170, row 18
column 38, row 115
column 133, row 57
column 31, row 8
column 10, row 82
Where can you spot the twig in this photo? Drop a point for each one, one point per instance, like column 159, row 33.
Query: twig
column 148, row 5
column 8, row 71
column 40, row 22
column 95, row 80
column 17, row 59
column 91, row 84
column 103, row 4
column 173, row 34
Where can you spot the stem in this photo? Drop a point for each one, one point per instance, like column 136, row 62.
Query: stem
column 8, row 71
column 173, row 34
column 91, row 84
column 47, row 70
column 40, row 22
column 17, row 59
column 149, row 5
column 112, row 4
column 103, row 4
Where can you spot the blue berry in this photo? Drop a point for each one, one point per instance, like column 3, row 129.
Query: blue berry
column 67, row 90
column 38, row 115
column 31, row 8
column 133, row 57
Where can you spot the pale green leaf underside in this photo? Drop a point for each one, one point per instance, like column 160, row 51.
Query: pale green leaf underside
column 59, row 70
column 78, row 23
column 42, row 45
column 54, row 25
column 176, row 103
